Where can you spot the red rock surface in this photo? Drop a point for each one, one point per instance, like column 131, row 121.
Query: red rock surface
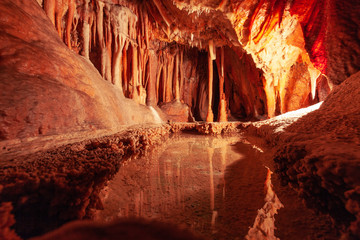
column 127, row 229
column 177, row 111
column 291, row 43
column 50, row 188
column 160, row 51
column 319, row 155
column 49, row 90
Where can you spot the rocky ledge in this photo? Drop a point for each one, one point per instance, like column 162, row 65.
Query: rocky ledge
column 318, row 154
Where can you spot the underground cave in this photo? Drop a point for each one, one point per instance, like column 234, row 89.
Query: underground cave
column 181, row 119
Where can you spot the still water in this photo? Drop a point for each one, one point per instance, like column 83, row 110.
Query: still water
column 213, row 185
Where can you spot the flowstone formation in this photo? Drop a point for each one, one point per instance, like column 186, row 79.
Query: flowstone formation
column 74, row 70
column 248, row 58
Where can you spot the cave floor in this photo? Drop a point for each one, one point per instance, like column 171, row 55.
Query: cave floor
column 211, row 184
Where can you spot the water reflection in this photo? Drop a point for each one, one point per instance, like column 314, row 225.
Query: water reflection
column 182, row 181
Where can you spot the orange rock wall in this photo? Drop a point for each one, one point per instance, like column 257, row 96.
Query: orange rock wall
column 48, row 89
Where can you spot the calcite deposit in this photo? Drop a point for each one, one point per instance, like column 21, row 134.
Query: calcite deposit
column 141, row 46
column 77, row 73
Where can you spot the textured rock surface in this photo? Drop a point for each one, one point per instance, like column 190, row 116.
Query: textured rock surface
column 7, row 220
column 49, row 188
column 322, row 160
column 290, row 43
column 46, row 88
column 319, row 154
column 280, row 56
column 177, row 111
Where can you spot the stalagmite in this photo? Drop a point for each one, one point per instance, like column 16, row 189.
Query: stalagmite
column 222, row 104
column 211, row 57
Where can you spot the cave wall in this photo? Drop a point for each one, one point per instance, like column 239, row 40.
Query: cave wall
column 48, row 89
column 120, row 37
column 321, row 161
column 281, row 56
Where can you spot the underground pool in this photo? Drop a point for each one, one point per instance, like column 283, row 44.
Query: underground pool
column 213, row 185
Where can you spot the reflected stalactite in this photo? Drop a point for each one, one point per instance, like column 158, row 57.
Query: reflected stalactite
column 181, row 186
column 223, row 152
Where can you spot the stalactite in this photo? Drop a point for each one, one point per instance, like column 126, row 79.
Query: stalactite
column 69, row 22
column 100, row 33
column 222, row 104
column 60, row 9
column 270, row 99
column 146, row 24
column 162, row 12
column 151, row 98
column 125, row 68
column 119, row 22
column 49, row 6
column 94, row 26
column 169, row 78
column 135, row 74
column 176, row 78
column 211, row 57
column 164, row 76
column 181, row 80
column 143, row 58
column 158, row 79
column 108, row 44
column 116, row 68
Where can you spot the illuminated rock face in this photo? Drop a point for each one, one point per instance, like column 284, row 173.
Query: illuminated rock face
column 140, row 46
column 224, row 59
column 322, row 161
column 47, row 89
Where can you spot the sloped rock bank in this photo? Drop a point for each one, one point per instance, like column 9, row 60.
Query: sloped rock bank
column 50, row 188
column 319, row 155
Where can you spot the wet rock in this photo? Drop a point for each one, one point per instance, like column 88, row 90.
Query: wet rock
column 131, row 229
